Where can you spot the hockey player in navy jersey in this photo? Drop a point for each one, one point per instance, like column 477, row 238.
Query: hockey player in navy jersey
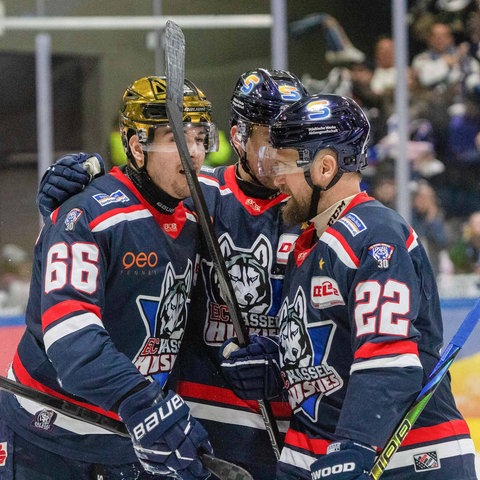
column 112, row 275
column 246, row 210
column 360, row 320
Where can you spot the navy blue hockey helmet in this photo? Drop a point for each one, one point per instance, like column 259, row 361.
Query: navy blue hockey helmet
column 260, row 95
column 310, row 125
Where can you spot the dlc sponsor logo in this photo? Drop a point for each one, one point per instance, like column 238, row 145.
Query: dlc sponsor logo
column 324, row 293
column 3, row 454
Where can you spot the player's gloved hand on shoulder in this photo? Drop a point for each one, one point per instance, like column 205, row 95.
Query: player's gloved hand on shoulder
column 253, row 371
column 345, row 460
column 166, row 439
column 66, row 177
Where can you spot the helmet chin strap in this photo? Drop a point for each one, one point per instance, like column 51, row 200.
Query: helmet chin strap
column 317, row 190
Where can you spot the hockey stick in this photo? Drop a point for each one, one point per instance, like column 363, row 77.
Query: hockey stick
column 221, row 468
column 433, row 381
column 175, row 62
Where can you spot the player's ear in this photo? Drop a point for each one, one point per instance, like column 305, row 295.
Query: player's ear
column 324, row 168
column 137, row 151
column 235, row 137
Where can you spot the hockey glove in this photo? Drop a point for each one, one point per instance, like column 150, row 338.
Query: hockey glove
column 166, row 439
column 66, row 177
column 253, row 371
column 345, row 460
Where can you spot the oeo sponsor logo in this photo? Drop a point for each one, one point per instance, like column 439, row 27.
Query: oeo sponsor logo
column 139, row 260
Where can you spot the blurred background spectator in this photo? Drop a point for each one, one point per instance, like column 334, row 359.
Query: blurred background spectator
column 465, row 252
column 429, row 223
column 15, row 272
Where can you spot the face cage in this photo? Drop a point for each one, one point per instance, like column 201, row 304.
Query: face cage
column 210, row 142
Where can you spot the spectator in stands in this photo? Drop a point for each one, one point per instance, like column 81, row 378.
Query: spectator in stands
column 429, row 223
column 444, row 66
column 465, row 253
column 384, row 74
column 15, row 271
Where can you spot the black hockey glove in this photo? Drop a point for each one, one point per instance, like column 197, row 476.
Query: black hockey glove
column 166, row 439
column 66, row 177
column 345, row 460
column 253, row 371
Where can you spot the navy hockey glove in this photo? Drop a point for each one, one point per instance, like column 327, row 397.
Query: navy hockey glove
column 253, row 371
column 66, row 177
column 166, row 439
column 345, row 460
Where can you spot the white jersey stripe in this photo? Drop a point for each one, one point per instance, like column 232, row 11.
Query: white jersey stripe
column 121, row 217
column 401, row 459
column 231, row 416
column 404, row 458
column 333, row 242
column 71, row 325
column 296, row 459
column 401, row 361
column 63, row 421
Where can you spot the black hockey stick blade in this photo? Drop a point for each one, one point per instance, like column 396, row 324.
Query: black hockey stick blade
column 434, row 380
column 175, row 62
column 221, row 468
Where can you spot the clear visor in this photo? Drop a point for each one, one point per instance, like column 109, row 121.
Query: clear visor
column 197, row 135
column 279, row 161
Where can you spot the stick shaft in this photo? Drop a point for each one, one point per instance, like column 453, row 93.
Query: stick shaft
column 175, row 58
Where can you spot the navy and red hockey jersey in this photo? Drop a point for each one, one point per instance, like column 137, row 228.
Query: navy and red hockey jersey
column 360, row 329
column 255, row 244
column 108, row 307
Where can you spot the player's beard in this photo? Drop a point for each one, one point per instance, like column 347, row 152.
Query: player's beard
column 295, row 212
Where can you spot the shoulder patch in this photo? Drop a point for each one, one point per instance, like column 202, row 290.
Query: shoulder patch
column 116, row 197
column 72, row 218
column 353, row 224
column 381, row 253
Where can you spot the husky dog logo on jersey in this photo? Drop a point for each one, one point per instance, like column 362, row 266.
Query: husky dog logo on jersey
column 248, row 271
column 293, row 339
column 165, row 318
column 304, row 350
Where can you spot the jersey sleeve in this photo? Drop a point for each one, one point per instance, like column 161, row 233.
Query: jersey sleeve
column 74, row 276
column 386, row 292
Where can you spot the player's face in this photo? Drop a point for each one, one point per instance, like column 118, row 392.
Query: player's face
column 164, row 165
column 258, row 138
column 297, row 208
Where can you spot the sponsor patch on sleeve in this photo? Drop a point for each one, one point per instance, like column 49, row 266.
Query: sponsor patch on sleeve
column 381, row 253
column 116, row 197
column 353, row 224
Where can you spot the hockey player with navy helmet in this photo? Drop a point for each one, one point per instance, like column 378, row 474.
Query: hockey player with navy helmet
column 360, row 319
column 246, row 212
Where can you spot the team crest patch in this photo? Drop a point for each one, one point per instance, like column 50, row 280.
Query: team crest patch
column 72, row 218
column 3, row 454
column 116, row 197
column 426, row 461
column 353, row 224
column 381, row 253
column 44, row 420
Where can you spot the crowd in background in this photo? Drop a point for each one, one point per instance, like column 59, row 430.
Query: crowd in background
column 444, row 132
column 444, row 121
